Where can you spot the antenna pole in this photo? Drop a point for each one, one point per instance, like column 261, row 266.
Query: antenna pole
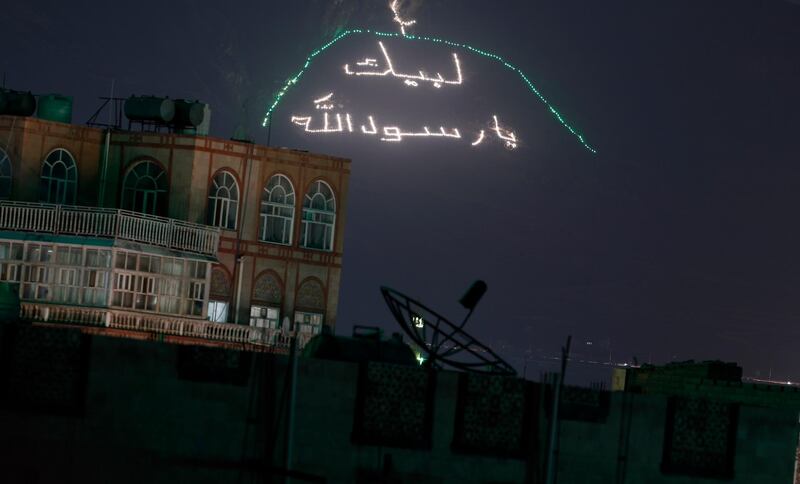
column 290, row 411
column 552, row 452
column 104, row 169
column 467, row 317
column 111, row 100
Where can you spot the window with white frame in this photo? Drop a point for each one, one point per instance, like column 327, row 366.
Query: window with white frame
column 134, row 291
column 159, row 284
column 59, row 178
column 68, row 285
column 70, row 274
column 11, row 261
column 39, row 275
column 5, row 175
column 277, row 211
column 265, row 317
column 197, row 298
column 65, row 274
column 319, row 217
column 96, row 277
column 145, row 189
column 223, row 201
column 69, row 260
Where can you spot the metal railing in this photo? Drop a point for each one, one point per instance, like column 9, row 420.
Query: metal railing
column 160, row 324
column 109, row 223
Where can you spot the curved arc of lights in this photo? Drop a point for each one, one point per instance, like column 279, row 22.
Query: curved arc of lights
column 294, row 79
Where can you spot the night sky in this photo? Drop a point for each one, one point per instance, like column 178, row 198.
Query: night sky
column 677, row 240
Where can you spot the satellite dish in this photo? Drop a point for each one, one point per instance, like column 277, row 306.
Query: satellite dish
column 445, row 344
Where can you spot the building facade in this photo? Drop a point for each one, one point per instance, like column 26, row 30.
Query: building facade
column 184, row 235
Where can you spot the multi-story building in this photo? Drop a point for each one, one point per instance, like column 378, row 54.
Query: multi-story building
column 182, row 236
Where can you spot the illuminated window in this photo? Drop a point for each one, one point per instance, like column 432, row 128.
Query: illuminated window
column 145, row 189
column 265, row 317
column 306, row 322
column 5, row 175
column 223, row 201
column 277, row 211
column 217, row 311
column 319, row 217
column 59, row 178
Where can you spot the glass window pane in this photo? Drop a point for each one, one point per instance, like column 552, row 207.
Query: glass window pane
column 218, row 311
column 144, row 263
column 130, row 261
column 16, row 251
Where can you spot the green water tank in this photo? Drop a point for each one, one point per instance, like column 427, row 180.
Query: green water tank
column 17, row 103
column 55, row 107
column 188, row 113
column 150, row 108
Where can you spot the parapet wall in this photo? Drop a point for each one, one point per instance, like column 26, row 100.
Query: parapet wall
column 97, row 409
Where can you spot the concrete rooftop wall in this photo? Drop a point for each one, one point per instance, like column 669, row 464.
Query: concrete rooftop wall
column 80, row 408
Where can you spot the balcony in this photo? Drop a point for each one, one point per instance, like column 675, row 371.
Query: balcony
column 109, row 223
column 276, row 340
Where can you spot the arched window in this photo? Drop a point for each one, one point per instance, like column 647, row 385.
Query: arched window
column 265, row 309
column 59, row 178
column 145, row 189
column 5, row 175
column 310, row 295
column 319, row 217
column 309, row 307
column 268, row 289
column 219, row 295
column 277, row 211
column 223, row 201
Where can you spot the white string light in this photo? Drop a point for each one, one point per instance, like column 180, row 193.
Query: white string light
column 510, row 138
column 403, row 23
column 409, row 79
column 372, row 124
column 370, row 66
column 392, row 134
column 293, row 80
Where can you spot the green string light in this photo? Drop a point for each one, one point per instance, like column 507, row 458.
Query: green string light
column 294, row 79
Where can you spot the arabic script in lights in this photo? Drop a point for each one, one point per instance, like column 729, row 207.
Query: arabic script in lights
column 343, row 123
column 370, row 67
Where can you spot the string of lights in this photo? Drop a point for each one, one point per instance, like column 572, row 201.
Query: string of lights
column 403, row 23
column 296, row 78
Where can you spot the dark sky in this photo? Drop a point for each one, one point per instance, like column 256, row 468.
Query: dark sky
column 677, row 240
